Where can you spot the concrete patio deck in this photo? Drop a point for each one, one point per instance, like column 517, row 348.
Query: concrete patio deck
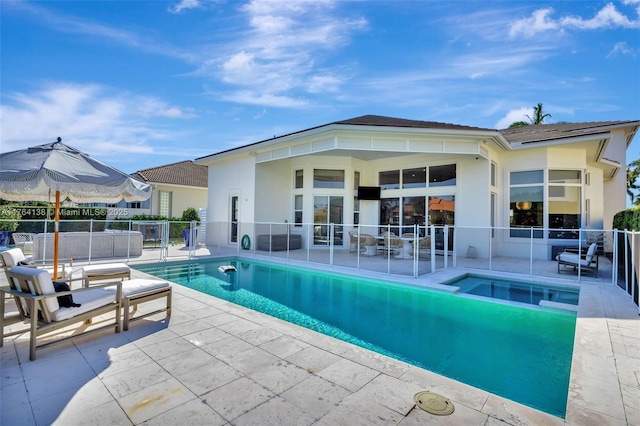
column 216, row 363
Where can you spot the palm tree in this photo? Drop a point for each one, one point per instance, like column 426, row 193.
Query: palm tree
column 633, row 172
column 538, row 117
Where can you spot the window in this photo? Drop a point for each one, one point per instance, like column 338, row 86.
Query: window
column 389, row 179
column 494, row 174
column 414, row 178
column 134, row 205
column 297, row 210
column 323, row 178
column 494, row 203
column 165, row 204
column 299, row 180
column 390, row 213
column 441, row 212
column 442, row 175
column 356, row 201
column 565, row 203
column 526, row 203
column 413, row 213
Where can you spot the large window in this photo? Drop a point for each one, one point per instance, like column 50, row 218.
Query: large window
column 442, row 175
column 442, row 210
column 564, row 194
column 526, row 202
column 356, row 200
column 389, row 179
column 327, row 210
column 414, row 178
column 323, row 178
column 413, row 213
column 417, row 177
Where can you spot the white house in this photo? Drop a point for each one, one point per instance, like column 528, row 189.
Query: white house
column 397, row 173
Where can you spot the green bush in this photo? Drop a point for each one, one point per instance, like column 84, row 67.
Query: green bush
column 190, row 214
column 627, row 219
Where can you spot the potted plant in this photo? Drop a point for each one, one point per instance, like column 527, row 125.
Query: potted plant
column 9, row 218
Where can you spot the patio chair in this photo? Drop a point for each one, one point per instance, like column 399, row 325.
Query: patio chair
column 369, row 243
column 15, row 257
column 392, row 244
column 587, row 262
column 24, row 241
column 38, row 305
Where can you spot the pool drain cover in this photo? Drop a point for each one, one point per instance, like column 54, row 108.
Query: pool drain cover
column 433, row 403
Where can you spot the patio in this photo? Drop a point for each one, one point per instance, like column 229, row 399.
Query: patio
column 216, row 363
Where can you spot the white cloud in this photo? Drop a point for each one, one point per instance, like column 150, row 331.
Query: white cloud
column 184, row 5
column 514, row 115
column 542, row 21
column 280, row 55
column 623, row 49
column 96, row 119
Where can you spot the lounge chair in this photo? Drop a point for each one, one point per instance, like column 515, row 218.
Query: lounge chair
column 24, row 241
column 38, row 305
column 587, row 263
column 15, row 257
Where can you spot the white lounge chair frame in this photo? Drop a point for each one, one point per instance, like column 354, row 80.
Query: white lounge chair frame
column 31, row 290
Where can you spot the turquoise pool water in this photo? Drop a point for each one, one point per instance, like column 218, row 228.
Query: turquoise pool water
column 516, row 291
column 519, row 353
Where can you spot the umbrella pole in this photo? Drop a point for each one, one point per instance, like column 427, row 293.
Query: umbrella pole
column 55, row 237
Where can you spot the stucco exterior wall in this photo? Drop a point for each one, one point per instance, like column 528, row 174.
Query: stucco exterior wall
column 181, row 198
column 615, row 188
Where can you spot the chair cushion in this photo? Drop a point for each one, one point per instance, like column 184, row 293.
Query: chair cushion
column 88, row 301
column 46, row 285
column 140, row 285
column 12, row 257
column 573, row 259
column 105, row 269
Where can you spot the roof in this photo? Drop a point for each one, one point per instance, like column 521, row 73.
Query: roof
column 545, row 132
column 185, row 173
column 523, row 134
column 381, row 121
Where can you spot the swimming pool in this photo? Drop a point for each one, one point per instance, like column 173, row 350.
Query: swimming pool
column 516, row 291
column 518, row 353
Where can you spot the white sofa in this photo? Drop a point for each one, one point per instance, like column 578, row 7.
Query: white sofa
column 76, row 244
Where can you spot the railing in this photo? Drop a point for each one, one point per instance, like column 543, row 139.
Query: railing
column 413, row 251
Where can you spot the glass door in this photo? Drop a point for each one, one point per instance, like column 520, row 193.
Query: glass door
column 327, row 210
column 234, row 219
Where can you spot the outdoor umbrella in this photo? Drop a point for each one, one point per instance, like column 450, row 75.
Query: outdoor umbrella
column 33, row 174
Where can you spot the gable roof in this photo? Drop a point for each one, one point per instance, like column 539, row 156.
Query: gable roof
column 185, row 173
column 555, row 131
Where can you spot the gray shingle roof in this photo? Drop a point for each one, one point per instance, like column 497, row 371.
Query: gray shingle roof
column 546, row 132
column 185, row 173
column 378, row 120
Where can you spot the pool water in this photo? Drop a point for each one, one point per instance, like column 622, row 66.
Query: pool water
column 516, row 291
column 519, row 353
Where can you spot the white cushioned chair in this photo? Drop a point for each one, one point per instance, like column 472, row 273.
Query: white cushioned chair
column 38, row 305
column 588, row 262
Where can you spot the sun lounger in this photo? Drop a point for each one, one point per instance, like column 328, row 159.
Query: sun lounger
column 588, row 262
column 38, row 305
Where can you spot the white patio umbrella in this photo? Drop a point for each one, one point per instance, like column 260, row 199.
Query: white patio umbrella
column 33, row 174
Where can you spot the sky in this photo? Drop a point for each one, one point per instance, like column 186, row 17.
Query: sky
column 139, row 84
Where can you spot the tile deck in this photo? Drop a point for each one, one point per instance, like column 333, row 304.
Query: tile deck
column 216, row 363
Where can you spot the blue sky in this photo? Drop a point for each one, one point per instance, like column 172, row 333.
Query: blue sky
column 139, row 84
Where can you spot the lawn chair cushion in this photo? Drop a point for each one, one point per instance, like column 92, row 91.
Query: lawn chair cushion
column 573, row 258
column 139, row 285
column 46, row 285
column 88, row 301
column 12, row 257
